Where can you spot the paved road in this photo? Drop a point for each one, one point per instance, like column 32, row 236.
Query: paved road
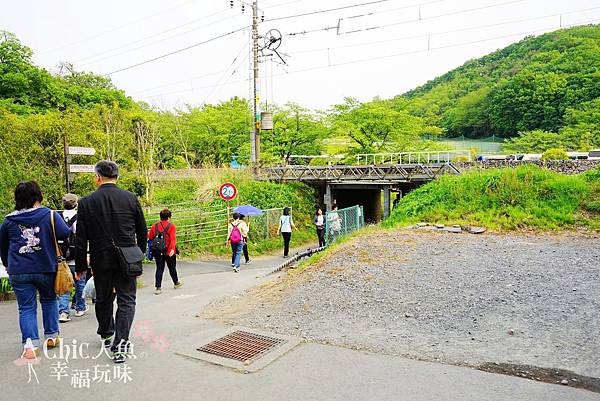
column 309, row 372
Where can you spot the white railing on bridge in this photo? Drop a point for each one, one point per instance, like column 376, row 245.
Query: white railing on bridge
column 438, row 156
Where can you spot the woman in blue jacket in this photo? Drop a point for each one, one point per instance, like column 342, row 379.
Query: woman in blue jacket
column 28, row 252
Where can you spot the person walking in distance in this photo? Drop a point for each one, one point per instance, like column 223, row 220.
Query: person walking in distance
column 244, row 248
column 236, row 231
column 28, row 251
column 111, row 220
column 164, row 249
column 286, row 225
column 320, row 225
column 67, row 248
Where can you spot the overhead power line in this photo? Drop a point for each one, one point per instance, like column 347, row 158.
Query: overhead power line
column 177, row 51
column 337, row 26
column 436, row 48
column 125, row 25
column 438, row 33
column 227, row 70
column 327, row 10
column 420, row 18
column 95, row 58
column 407, row 53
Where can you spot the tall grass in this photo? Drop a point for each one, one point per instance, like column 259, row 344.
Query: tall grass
column 511, row 198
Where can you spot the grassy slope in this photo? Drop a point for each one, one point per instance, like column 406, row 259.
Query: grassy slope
column 525, row 197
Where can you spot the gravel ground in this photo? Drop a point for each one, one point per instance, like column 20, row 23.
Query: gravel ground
column 457, row 298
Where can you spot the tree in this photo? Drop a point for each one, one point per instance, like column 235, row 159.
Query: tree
column 379, row 126
column 296, row 130
column 146, row 131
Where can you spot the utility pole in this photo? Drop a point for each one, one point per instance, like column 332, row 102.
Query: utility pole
column 256, row 130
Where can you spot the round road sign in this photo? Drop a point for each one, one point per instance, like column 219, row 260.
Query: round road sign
column 228, row 191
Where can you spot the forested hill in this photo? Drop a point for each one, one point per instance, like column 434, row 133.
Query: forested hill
column 26, row 88
column 540, row 83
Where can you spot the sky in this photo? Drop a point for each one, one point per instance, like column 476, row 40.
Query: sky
column 331, row 49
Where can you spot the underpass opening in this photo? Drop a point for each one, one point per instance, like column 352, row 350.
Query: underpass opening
column 369, row 197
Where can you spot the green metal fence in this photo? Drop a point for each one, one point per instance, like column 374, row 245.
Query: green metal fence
column 201, row 225
column 340, row 222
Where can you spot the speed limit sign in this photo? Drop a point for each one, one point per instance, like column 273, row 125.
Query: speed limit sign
column 228, row 191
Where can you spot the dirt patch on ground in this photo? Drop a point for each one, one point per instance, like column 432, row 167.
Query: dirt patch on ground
column 512, row 300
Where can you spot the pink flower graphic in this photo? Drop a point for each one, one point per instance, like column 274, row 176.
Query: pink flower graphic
column 22, row 361
column 144, row 329
column 160, row 343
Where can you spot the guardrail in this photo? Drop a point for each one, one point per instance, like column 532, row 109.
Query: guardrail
column 411, row 157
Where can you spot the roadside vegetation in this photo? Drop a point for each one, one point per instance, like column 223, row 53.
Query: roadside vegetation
column 189, row 197
column 505, row 199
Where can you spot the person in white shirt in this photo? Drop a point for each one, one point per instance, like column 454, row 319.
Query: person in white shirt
column 320, row 224
column 286, row 225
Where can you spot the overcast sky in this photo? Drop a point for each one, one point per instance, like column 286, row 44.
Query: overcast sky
column 396, row 44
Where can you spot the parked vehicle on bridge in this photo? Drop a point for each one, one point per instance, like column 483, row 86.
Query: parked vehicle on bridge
column 594, row 154
column 578, row 155
column 532, row 156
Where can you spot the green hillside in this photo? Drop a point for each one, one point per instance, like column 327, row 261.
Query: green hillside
column 548, row 83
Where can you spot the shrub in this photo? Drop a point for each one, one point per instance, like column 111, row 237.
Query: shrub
column 555, row 154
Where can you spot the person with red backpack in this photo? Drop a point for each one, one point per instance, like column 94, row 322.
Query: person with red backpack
column 164, row 249
column 236, row 232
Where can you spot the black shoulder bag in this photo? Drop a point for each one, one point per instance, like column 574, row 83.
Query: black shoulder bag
column 130, row 257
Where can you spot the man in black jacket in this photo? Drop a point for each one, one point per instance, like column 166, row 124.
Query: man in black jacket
column 107, row 218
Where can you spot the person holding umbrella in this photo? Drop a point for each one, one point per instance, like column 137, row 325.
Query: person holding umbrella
column 245, row 210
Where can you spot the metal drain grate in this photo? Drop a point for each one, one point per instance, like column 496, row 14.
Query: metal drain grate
column 241, row 345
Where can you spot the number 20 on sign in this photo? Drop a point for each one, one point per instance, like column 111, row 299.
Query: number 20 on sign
column 228, row 191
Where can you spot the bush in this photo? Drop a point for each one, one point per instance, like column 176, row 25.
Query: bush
column 134, row 183
column 555, row 154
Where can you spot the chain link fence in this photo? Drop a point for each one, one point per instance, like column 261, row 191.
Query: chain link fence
column 343, row 221
column 264, row 226
column 208, row 225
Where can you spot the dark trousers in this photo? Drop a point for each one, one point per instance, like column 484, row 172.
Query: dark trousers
column 125, row 291
column 160, row 268
column 244, row 250
column 286, row 243
column 321, row 235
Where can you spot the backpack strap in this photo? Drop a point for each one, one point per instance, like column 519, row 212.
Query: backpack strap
column 165, row 229
column 155, row 231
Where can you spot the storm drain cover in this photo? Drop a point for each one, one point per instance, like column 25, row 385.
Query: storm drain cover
column 241, row 346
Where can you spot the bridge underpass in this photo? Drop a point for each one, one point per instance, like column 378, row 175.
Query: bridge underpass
column 371, row 186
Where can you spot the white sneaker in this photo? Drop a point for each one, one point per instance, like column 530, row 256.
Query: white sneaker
column 248, row 262
column 158, row 291
column 64, row 317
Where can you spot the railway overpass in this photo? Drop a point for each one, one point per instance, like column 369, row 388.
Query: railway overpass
column 363, row 183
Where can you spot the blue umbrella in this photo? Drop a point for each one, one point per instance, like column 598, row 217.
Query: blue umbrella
column 248, row 210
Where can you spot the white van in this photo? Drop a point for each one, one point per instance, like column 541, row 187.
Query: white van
column 594, row 154
column 577, row 155
column 532, row 156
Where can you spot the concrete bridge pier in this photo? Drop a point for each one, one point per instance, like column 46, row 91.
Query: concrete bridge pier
column 386, row 201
